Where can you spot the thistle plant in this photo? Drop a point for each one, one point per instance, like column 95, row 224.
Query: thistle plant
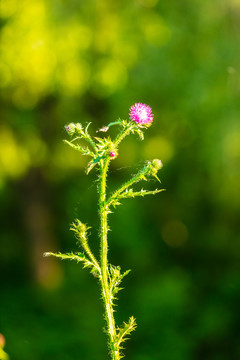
column 103, row 150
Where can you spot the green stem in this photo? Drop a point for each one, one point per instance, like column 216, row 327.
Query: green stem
column 139, row 176
column 91, row 256
column 106, row 294
column 90, row 140
column 123, row 134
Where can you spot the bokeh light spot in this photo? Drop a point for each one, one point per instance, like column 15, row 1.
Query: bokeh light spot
column 5, row 75
column 37, row 150
column 148, row 3
column 126, row 52
column 73, row 77
column 232, row 145
column 175, row 233
column 14, row 159
column 24, row 97
column 128, row 154
column 110, row 75
column 158, row 147
column 50, row 274
column 156, row 32
column 8, row 7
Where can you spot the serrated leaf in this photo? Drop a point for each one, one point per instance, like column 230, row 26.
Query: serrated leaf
column 79, row 257
column 93, row 163
column 142, row 192
column 80, row 231
column 139, row 132
column 115, row 278
column 125, row 331
column 100, row 140
column 82, row 150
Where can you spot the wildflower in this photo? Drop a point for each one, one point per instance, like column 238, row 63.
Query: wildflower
column 141, row 114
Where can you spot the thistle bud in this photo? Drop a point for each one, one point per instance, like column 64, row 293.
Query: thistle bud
column 113, row 154
column 79, row 226
column 157, row 164
column 70, row 128
column 78, row 127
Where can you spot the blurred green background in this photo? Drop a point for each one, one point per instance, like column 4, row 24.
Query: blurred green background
column 80, row 61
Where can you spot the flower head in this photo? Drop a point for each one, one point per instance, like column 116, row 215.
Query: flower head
column 141, row 114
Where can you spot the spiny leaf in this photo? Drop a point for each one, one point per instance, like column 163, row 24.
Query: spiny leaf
column 103, row 142
column 79, row 257
column 125, row 331
column 115, row 278
column 139, row 132
column 82, row 150
column 93, row 163
column 115, row 202
column 100, row 140
column 68, row 256
column 80, row 231
column 130, row 193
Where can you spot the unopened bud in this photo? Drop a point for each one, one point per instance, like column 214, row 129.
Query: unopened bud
column 80, row 226
column 70, row 128
column 157, row 164
column 78, row 127
column 113, row 154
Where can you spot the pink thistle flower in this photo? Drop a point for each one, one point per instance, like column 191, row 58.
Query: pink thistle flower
column 141, row 114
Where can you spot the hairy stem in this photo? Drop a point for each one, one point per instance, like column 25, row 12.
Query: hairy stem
column 91, row 256
column 139, row 176
column 106, row 294
column 126, row 130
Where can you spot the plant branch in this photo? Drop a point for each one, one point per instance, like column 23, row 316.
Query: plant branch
column 141, row 175
column 80, row 230
column 129, row 193
column 127, row 128
column 82, row 150
column 79, row 257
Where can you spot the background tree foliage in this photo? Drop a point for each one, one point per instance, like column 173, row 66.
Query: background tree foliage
column 80, row 61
